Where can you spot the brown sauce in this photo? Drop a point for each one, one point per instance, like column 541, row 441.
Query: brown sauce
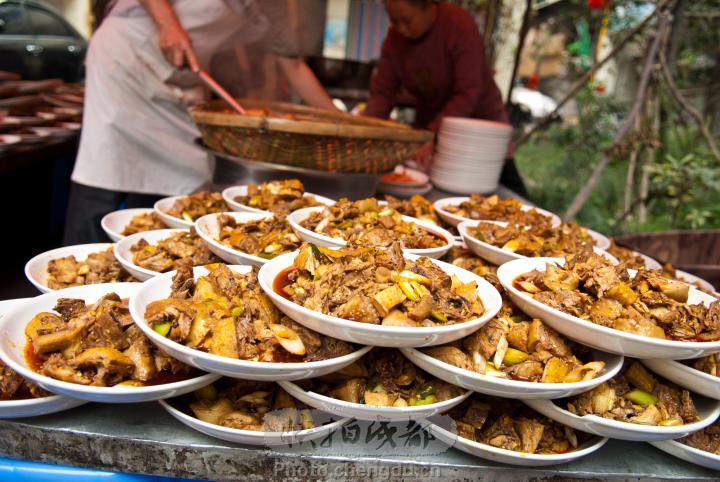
column 282, row 280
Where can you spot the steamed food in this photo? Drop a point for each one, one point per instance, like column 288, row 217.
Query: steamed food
column 100, row 267
column 169, row 253
column 143, row 222
column 280, row 197
column 266, row 238
column 492, row 208
column 197, row 205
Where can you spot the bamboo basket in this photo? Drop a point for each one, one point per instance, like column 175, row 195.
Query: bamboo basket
column 307, row 137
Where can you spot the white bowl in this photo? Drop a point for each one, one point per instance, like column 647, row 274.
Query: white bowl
column 297, row 217
column 36, row 268
column 497, row 255
column 693, row 280
column 252, row 437
column 475, row 125
column 370, row 412
column 160, row 287
column 709, row 410
column 115, row 222
column 495, row 454
column 685, row 376
column 231, row 193
column 689, row 454
column 378, row 335
column 13, row 340
column 124, row 254
column 592, row 334
column 163, row 206
column 508, row 388
column 208, row 229
column 650, row 263
column 454, row 219
column 601, row 241
column 32, row 407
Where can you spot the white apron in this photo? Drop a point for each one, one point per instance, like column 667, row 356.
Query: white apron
column 137, row 135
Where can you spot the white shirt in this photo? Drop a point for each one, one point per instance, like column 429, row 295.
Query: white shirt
column 137, row 134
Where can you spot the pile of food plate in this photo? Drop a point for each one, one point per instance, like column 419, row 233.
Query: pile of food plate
column 253, row 313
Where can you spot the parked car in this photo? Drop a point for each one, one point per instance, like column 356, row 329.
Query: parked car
column 38, row 43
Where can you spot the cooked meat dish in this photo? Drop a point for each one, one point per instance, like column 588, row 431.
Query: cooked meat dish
column 249, row 405
column 535, row 240
column 100, row 267
column 98, row 345
column 265, row 238
column 466, row 259
column 670, row 272
column 378, row 286
column 591, row 288
column 368, row 223
column 15, row 387
column 143, row 222
column 227, row 314
column 511, row 425
column 280, row 197
column 709, row 364
column 627, row 257
column 707, row 439
column 492, row 208
column 637, row 396
column 417, row 207
column 173, row 251
column 384, row 378
column 197, row 205
column 515, row 347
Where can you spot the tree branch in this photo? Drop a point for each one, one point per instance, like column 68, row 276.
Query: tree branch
column 640, row 99
column 683, row 103
column 580, row 83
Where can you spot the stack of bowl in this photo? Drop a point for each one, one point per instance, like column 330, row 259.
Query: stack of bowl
column 470, row 155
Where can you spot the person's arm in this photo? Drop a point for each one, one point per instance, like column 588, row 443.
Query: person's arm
column 304, row 82
column 468, row 59
column 175, row 42
column 384, row 85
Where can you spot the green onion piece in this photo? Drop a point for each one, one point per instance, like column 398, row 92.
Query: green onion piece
column 439, row 316
column 430, row 399
column 237, row 311
column 671, row 422
column 641, row 397
column 514, row 357
column 426, row 390
column 186, row 216
column 208, row 392
column 163, row 328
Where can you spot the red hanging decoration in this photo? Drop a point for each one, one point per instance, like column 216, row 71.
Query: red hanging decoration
column 596, row 4
column 533, row 82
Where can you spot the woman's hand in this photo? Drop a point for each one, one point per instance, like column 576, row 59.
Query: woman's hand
column 424, row 156
column 177, row 47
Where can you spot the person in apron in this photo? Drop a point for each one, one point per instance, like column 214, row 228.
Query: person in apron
column 137, row 141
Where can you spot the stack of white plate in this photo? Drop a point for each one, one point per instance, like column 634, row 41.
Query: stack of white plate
column 470, row 155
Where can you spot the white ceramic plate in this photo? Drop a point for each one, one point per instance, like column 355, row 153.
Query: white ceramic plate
column 369, row 412
column 689, row 454
column 687, row 377
column 252, row 437
column 601, row 241
column 124, row 254
column 378, row 335
column 115, row 222
column 36, row 268
column 508, row 388
column 13, row 340
column 32, row 407
column 454, row 219
column 159, row 288
column 497, row 255
column 208, row 229
column 297, row 217
column 495, row 454
column 163, row 206
column 709, row 410
column 594, row 335
column 231, row 193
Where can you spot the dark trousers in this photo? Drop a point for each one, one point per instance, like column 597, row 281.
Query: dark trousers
column 88, row 205
column 510, row 178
